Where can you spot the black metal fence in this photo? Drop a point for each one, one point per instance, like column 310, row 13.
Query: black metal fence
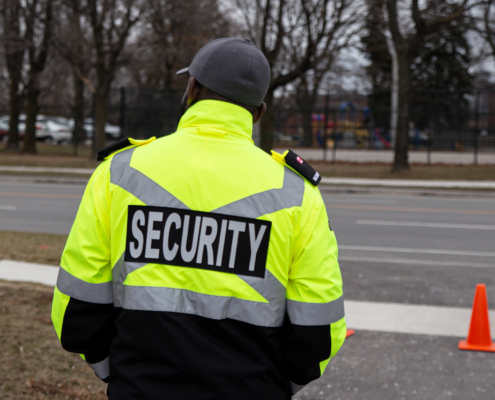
column 336, row 120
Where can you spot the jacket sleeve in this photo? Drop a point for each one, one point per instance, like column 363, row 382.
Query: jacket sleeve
column 314, row 327
column 82, row 312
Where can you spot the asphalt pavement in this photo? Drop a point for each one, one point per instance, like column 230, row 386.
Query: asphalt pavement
column 399, row 247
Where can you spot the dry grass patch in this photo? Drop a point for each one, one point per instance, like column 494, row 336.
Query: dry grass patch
column 417, row 171
column 44, row 248
column 50, row 156
column 33, row 365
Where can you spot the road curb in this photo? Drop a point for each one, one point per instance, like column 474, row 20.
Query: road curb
column 406, row 183
column 85, row 171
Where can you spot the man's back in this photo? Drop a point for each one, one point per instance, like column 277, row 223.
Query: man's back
column 211, row 167
column 199, row 267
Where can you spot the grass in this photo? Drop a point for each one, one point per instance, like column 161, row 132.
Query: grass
column 33, row 365
column 417, row 171
column 44, row 248
column 50, row 156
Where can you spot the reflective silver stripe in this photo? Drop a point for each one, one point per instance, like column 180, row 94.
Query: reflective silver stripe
column 315, row 313
column 296, row 388
column 215, row 307
column 102, row 368
column 138, row 184
column 256, row 205
column 147, row 298
column 68, row 284
column 273, row 291
column 120, row 272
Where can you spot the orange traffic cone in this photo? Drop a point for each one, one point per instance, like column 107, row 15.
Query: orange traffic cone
column 479, row 336
column 350, row 332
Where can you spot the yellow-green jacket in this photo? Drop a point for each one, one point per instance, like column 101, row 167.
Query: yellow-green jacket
column 201, row 268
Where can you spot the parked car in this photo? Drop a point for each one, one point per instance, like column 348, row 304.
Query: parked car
column 112, row 132
column 41, row 128
column 58, row 132
column 4, row 131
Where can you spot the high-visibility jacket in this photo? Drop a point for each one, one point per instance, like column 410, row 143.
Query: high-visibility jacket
column 199, row 267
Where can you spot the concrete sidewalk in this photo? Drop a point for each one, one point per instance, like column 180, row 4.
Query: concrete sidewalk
column 360, row 315
column 387, row 156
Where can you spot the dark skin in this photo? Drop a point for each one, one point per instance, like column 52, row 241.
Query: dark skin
column 196, row 92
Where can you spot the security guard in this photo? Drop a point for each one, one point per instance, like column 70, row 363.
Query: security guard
column 198, row 266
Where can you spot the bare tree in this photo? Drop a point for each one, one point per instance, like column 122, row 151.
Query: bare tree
column 13, row 49
column 178, row 29
column 72, row 41
column 484, row 23
column 308, row 85
column 295, row 36
column 425, row 24
column 38, row 17
column 111, row 23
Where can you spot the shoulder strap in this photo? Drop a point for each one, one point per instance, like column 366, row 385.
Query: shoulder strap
column 292, row 160
column 119, row 145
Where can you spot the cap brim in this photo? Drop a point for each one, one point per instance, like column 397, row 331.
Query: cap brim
column 182, row 71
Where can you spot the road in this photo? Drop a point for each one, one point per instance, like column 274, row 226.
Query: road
column 395, row 247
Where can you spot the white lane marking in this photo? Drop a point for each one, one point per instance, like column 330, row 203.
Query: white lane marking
column 407, row 318
column 8, row 207
column 417, row 262
column 423, row 251
column 425, row 224
column 354, row 201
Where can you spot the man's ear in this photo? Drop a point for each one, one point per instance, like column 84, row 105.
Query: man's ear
column 193, row 91
column 259, row 112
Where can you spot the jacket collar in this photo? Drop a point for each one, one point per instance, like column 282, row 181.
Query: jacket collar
column 218, row 117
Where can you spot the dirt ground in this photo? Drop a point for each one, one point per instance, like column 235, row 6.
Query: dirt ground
column 43, row 248
column 417, row 171
column 33, row 365
column 50, row 156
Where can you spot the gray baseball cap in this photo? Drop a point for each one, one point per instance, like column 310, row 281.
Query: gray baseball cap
column 233, row 68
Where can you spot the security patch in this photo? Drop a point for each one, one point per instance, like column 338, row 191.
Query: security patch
column 195, row 239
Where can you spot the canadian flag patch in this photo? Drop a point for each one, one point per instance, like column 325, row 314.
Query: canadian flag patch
column 299, row 160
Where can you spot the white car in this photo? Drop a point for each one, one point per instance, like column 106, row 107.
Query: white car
column 112, row 132
column 57, row 133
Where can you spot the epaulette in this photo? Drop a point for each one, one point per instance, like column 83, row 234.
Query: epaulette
column 299, row 165
column 119, row 145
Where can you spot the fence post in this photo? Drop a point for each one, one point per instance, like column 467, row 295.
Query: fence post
column 428, row 150
column 334, row 152
column 75, row 133
column 122, row 112
column 93, row 116
column 325, row 126
column 477, row 127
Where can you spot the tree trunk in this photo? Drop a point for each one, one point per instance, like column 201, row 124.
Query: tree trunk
column 14, row 105
column 307, row 106
column 29, row 145
column 307, row 126
column 101, row 108
column 267, row 136
column 401, row 161
column 79, row 132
